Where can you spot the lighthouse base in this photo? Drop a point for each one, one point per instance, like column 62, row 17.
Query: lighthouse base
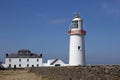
column 77, row 50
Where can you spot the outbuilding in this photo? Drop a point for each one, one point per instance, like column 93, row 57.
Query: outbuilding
column 54, row 62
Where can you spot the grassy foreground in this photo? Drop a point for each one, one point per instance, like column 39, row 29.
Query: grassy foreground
column 18, row 75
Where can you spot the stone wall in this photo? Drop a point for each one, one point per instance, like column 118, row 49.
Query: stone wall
column 93, row 72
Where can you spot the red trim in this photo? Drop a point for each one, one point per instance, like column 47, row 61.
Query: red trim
column 80, row 32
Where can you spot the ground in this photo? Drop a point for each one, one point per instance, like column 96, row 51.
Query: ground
column 18, row 75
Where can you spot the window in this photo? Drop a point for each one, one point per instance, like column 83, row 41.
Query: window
column 32, row 65
column 9, row 65
column 37, row 65
column 19, row 60
column 27, row 60
column 75, row 24
column 9, row 60
column 27, row 65
column 57, row 64
column 19, row 65
column 37, row 60
column 78, row 47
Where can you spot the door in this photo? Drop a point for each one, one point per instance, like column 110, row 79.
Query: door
column 14, row 66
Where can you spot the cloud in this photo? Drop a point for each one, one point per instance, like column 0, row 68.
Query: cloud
column 112, row 8
column 51, row 20
column 57, row 21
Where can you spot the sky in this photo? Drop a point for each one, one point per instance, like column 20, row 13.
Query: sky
column 42, row 27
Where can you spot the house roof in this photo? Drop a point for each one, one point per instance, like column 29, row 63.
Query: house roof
column 23, row 54
column 54, row 61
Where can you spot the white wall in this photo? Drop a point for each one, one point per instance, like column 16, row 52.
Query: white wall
column 57, row 62
column 23, row 62
column 77, row 56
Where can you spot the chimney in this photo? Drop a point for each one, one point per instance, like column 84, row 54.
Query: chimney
column 6, row 54
column 41, row 55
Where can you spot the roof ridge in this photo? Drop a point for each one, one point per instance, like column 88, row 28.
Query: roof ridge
column 54, row 61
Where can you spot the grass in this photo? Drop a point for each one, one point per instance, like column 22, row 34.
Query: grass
column 18, row 75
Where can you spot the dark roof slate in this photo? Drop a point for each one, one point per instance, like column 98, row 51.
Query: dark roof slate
column 23, row 56
column 54, row 61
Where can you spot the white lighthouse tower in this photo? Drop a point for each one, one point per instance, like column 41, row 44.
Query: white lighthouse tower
column 77, row 43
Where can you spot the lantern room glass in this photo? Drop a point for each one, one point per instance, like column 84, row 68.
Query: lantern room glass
column 74, row 24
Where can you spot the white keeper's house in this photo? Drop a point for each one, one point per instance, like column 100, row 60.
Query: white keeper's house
column 23, row 59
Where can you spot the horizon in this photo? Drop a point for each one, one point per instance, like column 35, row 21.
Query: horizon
column 42, row 27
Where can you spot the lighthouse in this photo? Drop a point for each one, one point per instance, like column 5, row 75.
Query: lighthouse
column 77, row 42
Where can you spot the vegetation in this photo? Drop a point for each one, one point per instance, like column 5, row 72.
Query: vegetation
column 18, row 75
column 90, row 72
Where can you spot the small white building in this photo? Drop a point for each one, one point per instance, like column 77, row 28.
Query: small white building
column 23, row 59
column 54, row 62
